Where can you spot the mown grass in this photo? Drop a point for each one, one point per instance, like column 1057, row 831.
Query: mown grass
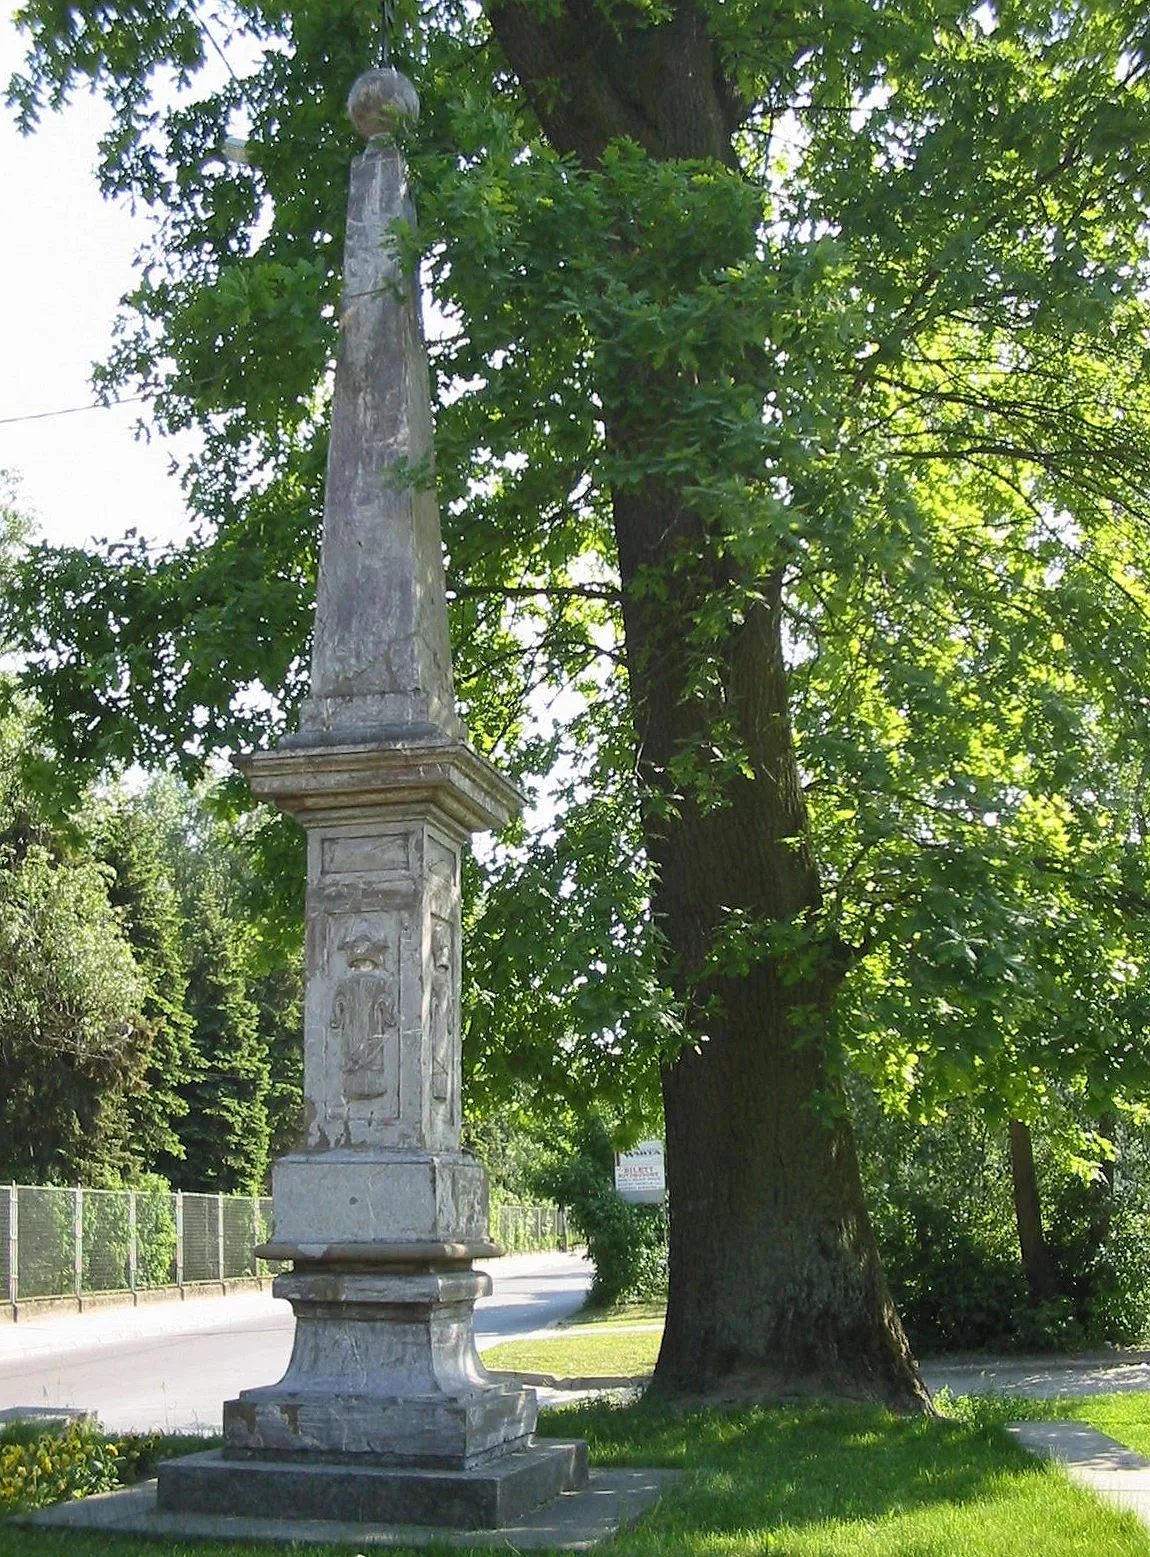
column 1124, row 1416
column 804, row 1481
column 619, row 1314
column 623, row 1354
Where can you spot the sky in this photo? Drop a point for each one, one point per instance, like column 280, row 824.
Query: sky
column 65, row 261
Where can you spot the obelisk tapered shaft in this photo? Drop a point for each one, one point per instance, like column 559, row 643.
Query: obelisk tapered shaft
column 381, row 659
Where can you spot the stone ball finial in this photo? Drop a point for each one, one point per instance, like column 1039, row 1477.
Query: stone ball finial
column 381, row 100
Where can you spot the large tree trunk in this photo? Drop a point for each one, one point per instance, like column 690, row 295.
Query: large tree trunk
column 775, row 1283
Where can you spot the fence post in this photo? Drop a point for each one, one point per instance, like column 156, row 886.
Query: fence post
column 220, row 1235
column 179, row 1238
column 13, row 1245
column 132, row 1259
column 78, row 1239
column 253, row 1263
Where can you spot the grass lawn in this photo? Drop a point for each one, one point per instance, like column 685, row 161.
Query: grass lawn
column 806, row 1481
column 621, row 1314
column 1123, row 1416
column 592, row 1354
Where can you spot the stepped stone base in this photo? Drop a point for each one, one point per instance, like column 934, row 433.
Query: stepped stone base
column 483, row 1498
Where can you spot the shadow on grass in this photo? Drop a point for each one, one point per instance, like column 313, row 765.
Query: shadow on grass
column 776, row 1466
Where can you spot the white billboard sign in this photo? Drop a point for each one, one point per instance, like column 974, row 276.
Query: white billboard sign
column 639, row 1174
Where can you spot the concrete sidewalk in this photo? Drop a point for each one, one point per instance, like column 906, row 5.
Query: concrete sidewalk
column 1103, row 1465
column 57, row 1335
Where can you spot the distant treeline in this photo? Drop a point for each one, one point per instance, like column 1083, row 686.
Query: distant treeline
column 147, row 1022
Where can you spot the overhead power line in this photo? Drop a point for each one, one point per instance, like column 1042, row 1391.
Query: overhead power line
column 71, row 410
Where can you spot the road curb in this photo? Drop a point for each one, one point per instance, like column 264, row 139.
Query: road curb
column 555, row 1381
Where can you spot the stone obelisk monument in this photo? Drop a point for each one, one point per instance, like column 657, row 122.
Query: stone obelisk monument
column 385, row 1412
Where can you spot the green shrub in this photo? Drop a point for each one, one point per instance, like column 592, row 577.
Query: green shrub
column 1107, row 1283
column 627, row 1243
column 943, row 1212
column 107, row 1236
column 953, row 1290
column 155, row 1232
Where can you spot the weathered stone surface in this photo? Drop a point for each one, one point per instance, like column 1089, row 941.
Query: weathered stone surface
column 320, row 780
column 484, row 1498
column 574, row 1521
column 381, row 656
column 377, row 1197
column 383, row 1367
column 435, row 1430
column 381, row 1022
column 380, row 101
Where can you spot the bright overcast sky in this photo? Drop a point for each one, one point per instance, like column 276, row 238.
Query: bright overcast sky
column 65, row 261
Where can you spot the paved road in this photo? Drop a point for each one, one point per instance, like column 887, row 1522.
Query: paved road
column 170, row 1366
column 1095, row 1373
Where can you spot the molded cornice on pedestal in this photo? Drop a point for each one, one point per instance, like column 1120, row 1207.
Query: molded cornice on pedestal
column 308, row 779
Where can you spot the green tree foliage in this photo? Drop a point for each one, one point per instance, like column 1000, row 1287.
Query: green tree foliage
column 73, row 1041
column 132, row 844
column 235, row 994
column 277, row 995
column 225, row 1134
column 940, row 1194
column 794, row 412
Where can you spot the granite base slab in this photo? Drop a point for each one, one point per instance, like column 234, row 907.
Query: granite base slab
column 482, row 1498
column 573, row 1521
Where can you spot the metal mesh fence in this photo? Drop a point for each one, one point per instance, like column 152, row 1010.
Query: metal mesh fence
column 105, row 1240
column 201, row 1238
column 241, row 1234
column 7, row 1203
column 57, row 1242
column 46, row 1247
column 518, row 1228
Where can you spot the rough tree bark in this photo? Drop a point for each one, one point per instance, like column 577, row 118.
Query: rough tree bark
column 775, row 1282
column 1037, row 1262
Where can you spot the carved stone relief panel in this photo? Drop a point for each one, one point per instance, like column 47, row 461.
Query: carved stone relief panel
column 441, row 863
column 442, row 984
column 382, row 1039
column 386, row 854
column 363, row 913
column 364, row 1021
column 443, row 1016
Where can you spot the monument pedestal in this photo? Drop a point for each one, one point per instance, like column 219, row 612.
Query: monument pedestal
column 385, row 1414
column 384, row 1371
